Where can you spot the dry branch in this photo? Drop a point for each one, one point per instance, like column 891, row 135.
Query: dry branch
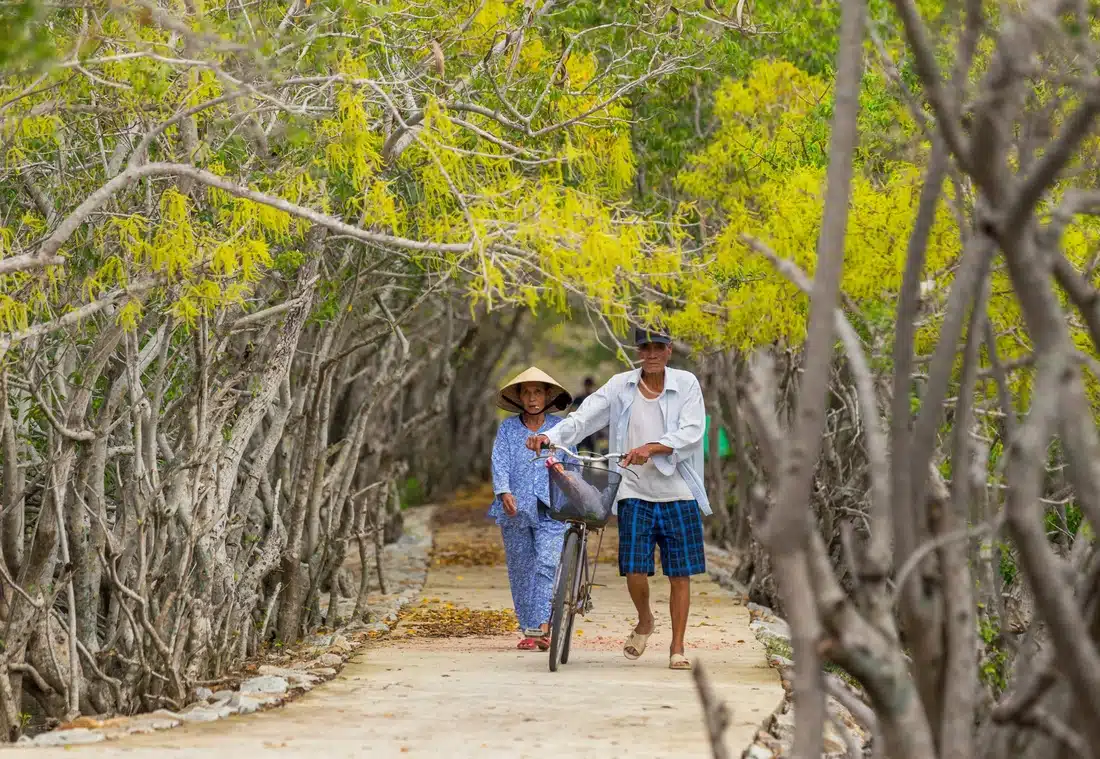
column 716, row 715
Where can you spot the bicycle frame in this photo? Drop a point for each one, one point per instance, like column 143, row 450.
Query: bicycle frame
column 586, row 570
column 578, row 603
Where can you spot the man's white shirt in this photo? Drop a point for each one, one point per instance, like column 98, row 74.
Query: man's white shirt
column 681, row 424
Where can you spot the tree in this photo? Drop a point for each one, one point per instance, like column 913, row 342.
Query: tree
column 252, row 265
column 1010, row 158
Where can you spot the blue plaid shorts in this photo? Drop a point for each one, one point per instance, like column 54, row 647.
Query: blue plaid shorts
column 675, row 526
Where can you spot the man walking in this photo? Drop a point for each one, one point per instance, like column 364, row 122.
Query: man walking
column 656, row 414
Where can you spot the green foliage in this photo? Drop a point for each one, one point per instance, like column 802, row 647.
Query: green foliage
column 994, row 664
column 1008, row 567
column 411, row 493
column 328, row 306
column 538, row 204
column 288, row 262
column 1055, row 525
column 734, row 140
column 24, row 38
column 761, row 175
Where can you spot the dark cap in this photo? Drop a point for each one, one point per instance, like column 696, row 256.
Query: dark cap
column 641, row 337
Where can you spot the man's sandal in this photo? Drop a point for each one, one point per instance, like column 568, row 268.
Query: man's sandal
column 678, row 661
column 635, row 645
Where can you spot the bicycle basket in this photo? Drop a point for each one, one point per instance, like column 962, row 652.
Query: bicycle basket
column 581, row 492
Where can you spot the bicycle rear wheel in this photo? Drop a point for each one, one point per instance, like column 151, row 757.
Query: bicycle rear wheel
column 561, row 615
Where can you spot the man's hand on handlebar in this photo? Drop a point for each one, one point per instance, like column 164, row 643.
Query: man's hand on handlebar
column 639, row 456
column 644, row 453
column 537, row 442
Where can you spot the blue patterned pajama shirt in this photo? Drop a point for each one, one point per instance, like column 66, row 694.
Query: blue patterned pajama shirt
column 532, row 540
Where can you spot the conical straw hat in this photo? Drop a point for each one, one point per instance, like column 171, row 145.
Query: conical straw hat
column 508, row 397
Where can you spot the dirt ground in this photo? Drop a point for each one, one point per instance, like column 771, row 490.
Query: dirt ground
column 415, row 694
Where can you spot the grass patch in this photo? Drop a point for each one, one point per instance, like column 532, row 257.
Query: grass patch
column 774, row 646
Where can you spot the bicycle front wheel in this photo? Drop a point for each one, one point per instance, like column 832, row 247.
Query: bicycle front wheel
column 561, row 615
column 580, row 591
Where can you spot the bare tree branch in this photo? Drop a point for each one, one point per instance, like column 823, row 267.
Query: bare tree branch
column 716, row 715
column 789, row 526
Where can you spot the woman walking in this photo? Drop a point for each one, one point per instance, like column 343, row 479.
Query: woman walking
column 532, row 540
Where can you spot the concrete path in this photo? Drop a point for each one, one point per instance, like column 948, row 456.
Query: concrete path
column 409, row 696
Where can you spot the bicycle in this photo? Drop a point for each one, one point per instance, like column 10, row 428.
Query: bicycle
column 573, row 581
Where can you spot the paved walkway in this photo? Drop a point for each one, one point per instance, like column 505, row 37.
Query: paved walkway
column 409, row 696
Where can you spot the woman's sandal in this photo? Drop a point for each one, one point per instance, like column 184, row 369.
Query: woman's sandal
column 535, row 637
column 635, row 645
column 678, row 661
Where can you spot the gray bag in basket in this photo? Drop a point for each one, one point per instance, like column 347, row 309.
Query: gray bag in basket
column 580, row 494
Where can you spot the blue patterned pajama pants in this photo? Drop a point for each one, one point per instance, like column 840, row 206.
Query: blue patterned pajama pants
column 532, row 554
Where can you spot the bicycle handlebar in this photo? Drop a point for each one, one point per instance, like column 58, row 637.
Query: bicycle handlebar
column 595, row 459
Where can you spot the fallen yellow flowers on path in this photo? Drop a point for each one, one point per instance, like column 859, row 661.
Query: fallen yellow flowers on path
column 473, row 553
column 430, row 621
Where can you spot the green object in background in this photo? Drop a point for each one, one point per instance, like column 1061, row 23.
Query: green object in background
column 723, row 442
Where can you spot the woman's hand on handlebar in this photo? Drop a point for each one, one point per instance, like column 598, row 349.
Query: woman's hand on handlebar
column 537, row 442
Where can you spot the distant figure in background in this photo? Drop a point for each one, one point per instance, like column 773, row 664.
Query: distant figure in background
column 592, row 442
column 589, row 388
